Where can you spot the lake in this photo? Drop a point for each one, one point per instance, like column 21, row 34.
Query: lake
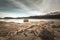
column 57, row 21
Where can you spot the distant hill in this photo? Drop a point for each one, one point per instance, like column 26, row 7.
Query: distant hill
column 11, row 18
column 52, row 15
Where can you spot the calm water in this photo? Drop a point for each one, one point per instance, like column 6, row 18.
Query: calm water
column 57, row 21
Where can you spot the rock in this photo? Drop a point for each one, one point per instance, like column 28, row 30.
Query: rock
column 26, row 31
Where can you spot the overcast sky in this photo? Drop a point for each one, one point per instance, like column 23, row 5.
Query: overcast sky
column 20, row 8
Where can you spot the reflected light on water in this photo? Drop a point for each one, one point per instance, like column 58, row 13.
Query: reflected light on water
column 57, row 21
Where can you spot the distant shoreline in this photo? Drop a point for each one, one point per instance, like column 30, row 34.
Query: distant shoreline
column 29, row 18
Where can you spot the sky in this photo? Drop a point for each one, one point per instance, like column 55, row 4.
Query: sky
column 24, row 8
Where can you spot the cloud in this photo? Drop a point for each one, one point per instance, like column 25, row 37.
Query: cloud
column 32, row 7
column 18, row 4
column 37, row 5
column 10, row 14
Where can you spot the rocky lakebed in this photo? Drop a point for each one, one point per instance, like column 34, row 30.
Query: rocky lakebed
column 29, row 31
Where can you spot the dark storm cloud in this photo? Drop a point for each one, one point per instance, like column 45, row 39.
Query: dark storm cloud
column 4, row 4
